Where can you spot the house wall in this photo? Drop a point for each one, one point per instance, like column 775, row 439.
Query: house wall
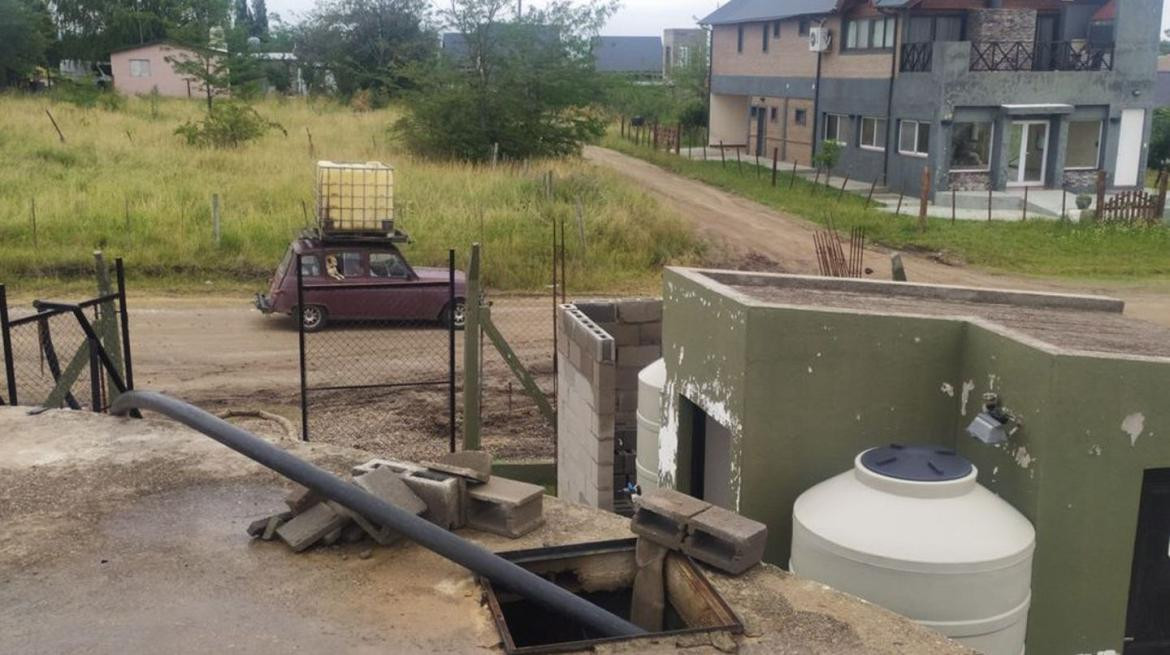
column 804, row 390
column 728, row 119
column 162, row 73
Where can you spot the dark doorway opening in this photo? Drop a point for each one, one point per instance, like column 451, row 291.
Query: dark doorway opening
column 1147, row 626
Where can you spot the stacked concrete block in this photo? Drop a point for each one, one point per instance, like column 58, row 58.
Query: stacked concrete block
column 505, row 507
column 710, row 534
column 310, row 526
column 603, row 345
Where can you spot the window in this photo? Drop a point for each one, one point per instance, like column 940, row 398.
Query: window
column 766, row 33
column 340, row 265
column 739, row 38
column 922, row 29
column 139, row 68
column 310, row 266
column 386, row 264
column 869, row 33
column 1084, row 144
column 914, row 138
column 835, row 126
column 776, row 29
column 800, row 117
column 873, row 133
column 774, row 114
column 803, row 27
column 971, row 146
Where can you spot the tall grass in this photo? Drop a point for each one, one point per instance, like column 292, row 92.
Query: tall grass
column 1037, row 247
column 124, row 182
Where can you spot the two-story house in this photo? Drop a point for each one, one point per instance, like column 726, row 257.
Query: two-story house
column 982, row 93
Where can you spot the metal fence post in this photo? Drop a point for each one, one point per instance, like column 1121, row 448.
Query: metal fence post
column 471, row 355
column 300, row 318
column 128, row 369
column 6, row 336
column 451, row 343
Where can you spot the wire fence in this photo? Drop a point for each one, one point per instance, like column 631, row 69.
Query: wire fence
column 377, row 358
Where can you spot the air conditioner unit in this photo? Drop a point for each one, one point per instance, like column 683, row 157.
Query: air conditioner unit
column 819, row 38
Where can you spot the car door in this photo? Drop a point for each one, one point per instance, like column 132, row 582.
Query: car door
column 393, row 292
column 339, row 288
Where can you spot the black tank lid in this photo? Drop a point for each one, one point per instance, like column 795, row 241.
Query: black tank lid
column 917, row 463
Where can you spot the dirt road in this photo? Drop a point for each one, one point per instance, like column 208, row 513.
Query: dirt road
column 751, row 229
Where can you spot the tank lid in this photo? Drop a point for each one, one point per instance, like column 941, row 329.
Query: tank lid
column 917, row 463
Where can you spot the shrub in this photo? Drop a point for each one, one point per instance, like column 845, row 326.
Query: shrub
column 228, row 125
column 827, row 155
column 1084, row 201
column 87, row 95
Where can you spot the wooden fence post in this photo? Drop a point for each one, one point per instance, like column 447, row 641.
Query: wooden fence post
column 1100, row 192
column 722, row 154
column 678, row 139
column 1024, row 216
column 923, row 198
column 775, row 157
column 215, row 217
column 792, row 178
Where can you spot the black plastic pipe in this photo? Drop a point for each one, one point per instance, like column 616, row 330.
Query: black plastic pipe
column 497, row 569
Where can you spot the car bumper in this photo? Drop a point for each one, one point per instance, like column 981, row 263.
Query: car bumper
column 263, row 303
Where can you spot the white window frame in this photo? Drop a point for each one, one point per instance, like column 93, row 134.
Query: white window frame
column 877, row 134
column 990, row 149
column 902, row 126
column 136, row 71
column 1100, row 138
column 841, row 118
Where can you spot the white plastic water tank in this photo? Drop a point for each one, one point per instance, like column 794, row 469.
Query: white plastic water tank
column 910, row 529
column 651, row 381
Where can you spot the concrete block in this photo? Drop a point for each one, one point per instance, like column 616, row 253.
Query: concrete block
column 598, row 311
column 256, row 528
column 473, row 465
column 640, row 310
column 387, row 485
column 382, row 536
column 392, row 464
column 444, row 496
column 331, row 538
column 661, row 515
column 649, row 603
column 301, row 498
column 604, row 375
column 650, row 333
column 638, row 357
column 310, row 526
column 505, row 507
column 624, row 334
column 725, row 540
column 273, row 524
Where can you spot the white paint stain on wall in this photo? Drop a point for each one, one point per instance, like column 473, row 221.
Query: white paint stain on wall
column 1024, row 459
column 992, row 378
column 948, row 389
column 1095, row 450
column 968, row 387
column 1134, row 425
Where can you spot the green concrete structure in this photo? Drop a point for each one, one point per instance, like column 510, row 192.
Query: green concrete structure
column 804, row 373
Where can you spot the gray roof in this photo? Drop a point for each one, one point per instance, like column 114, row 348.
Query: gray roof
column 628, row 54
column 749, row 11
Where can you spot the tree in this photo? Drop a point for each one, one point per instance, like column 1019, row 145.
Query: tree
column 527, row 85
column 367, row 44
column 1164, row 45
column 25, row 37
column 1159, row 155
column 243, row 14
column 259, row 19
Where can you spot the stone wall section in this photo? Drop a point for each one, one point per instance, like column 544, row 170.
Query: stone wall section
column 1004, row 25
column 602, row 346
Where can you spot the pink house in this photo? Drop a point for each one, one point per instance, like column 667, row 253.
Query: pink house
column 141, row 68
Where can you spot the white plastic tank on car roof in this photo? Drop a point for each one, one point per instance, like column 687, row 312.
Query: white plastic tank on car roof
column 651, row 381
column 910, row 529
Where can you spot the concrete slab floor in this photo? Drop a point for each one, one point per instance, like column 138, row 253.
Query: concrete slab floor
column 125, row 536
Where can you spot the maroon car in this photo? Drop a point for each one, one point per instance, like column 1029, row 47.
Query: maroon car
column 361, row 280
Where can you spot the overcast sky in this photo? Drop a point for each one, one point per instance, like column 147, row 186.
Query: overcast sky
column 635, row 18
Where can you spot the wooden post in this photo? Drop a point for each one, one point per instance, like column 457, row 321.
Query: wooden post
column 757, row 165
column 816, row 178
column 55, row 127
column 775, row 158
column 215, row 217
column 33, row 216
column 471, row 337
column 898, row 211
column 678, row 139
column 923, row 198
column 126, row 207
column 495, row 153
column 655, row 135
column 1100, row 192
column 989, row 203
column 952, row 204
column 312, row 151
column 1024, row 216
column 623, row 132
column 869, row 196
column 1063, row 203
column 841, row 193
column 1160, row 209
column 738, row 161
column 722, row 154
column 792, row 178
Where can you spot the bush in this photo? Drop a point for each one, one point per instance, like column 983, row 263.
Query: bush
column 1160, row 139
column 228, row 125
column 1084, row 201
column 86, row 95
column 827, row 155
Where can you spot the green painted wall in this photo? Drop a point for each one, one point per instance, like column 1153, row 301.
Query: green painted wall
column 804, row 390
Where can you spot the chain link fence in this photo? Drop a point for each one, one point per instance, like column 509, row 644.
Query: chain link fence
column 377, row 357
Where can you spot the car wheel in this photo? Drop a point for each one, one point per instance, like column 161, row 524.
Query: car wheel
column 456, row 318
column 313, row 318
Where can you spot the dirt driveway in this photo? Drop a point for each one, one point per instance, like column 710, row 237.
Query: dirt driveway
column 750, row 230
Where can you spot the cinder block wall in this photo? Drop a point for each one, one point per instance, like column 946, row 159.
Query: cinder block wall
column 602, row 346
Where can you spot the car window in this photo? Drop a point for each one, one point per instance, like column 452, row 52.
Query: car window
column 310, row 266
column 386, row 264
column 343, row 265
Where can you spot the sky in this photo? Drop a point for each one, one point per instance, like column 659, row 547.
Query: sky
column 635, row 18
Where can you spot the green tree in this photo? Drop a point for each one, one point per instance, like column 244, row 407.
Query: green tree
column 25, row 38
column 243, row 14
column 527, row 84
column 1159, row 156
column 366, row 45
column 259, row 19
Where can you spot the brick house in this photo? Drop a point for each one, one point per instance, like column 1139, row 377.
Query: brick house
column 983, row 93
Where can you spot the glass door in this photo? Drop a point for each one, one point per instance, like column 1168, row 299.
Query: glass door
column 1028, row 153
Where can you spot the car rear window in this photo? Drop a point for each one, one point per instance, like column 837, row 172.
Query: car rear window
column 310, row 266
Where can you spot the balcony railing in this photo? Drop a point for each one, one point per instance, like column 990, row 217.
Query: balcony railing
column 1027, row 56
column 916, row 57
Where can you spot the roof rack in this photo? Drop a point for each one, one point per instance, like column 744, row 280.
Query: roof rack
column 355, row 238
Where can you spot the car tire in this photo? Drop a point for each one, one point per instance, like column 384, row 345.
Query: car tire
column 314, row 318
column 459, row 319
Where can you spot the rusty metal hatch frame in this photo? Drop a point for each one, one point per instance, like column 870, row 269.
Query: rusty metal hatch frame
column 711, row 596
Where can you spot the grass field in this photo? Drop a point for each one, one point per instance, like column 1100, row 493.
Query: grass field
column 124, row 182
column 1036, row 247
